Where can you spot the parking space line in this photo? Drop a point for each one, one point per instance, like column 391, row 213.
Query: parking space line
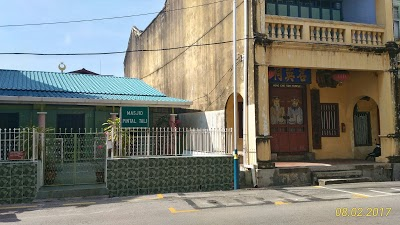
column 349, row 192
column 174, row 211
column 395, row 189
column 381, row 192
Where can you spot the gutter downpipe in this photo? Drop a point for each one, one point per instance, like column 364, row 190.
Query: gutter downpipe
column 235, row 131
column 246, row 163
column 245, row 80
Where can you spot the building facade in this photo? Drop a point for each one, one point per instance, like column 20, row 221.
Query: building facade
column 318, row 81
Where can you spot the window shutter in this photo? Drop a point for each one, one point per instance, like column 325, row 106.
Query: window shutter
column 316, row 119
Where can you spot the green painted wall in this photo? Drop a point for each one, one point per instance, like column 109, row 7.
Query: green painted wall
column 95, row 116
column 18, row 182
column 142, row 176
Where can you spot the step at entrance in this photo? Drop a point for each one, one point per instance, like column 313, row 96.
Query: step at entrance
column 338, row 175
column 59, row 192
column 322, row 182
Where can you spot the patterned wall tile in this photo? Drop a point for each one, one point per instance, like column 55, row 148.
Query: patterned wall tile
column 5, row 169
column 29, row 180
column 143, row 173
column 122, row 164
column 143, row 182
column 170, row 174
column 152, row 183
column 153, row 173
column 133, row 184
column 181, row 162
column 143, row 191
column 29, row 192
column 143, row 163
column 132, row 191
column 162, row 163
column 5, row 201
column 17, row 180
column 132, row 163
column 29, row 170
column 111, row 164
column 5, row 182
column 5, row 193
column 153, row 163
column 122, row 184
column 132, row 173
column 17, row 170
column 172, row 162
column 17, row 192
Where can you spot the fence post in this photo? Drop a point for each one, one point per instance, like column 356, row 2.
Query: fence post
column 148, row 140
column 75, row 149
column 33, row 144
column 175, row 142
column 112, row 142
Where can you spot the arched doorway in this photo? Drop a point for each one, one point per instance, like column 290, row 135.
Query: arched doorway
column 229, row 120
column 366, row 126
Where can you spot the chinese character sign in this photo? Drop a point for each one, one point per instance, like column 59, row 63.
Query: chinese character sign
column 291, row 75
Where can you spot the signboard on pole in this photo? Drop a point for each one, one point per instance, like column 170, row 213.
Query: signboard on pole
column 134, row 116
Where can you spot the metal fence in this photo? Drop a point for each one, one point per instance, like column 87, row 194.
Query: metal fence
column 128, row 142
column 18, row 144
column 25, row 144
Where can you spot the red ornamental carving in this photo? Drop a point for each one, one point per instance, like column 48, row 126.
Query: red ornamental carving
column 271, row 73
column 341, row 76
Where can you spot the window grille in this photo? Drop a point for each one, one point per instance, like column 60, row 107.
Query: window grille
column 330, row 120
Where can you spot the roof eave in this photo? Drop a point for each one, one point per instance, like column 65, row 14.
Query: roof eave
column 91, row 102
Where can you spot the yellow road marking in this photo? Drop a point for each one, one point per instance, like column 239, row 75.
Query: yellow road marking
column 159, row 196
column 79, row 203
column 281, row 203
column 19, row 207
column 359, row 196
column 317, row 186
column 173, row 210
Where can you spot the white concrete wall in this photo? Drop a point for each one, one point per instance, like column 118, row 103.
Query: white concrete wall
column 209, row 119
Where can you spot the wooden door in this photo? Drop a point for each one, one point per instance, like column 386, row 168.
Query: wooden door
column 288, row 119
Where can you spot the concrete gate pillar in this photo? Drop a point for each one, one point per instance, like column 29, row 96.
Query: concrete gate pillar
column 41, row 130
column 42, row 120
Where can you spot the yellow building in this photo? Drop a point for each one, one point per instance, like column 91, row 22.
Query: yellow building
column 318, row 80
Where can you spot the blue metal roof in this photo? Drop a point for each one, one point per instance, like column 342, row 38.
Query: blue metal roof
column 73, row 85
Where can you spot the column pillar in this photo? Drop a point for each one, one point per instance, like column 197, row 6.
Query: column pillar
column 113, row 116
column 41, row 130
column 262, row 107
column 387, row 116
column 42, row 120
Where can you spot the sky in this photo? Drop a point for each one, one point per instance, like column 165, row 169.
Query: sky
column 98, row 36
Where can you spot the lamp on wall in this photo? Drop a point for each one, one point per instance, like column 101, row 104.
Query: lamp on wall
column 340, row 76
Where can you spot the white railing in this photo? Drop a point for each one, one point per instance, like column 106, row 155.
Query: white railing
column 131, row 142
column 18, row 144
column 323, row 31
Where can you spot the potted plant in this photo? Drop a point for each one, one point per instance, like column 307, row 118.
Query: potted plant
column 115, row 133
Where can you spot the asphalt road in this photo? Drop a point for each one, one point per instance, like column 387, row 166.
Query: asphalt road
column 362, row 203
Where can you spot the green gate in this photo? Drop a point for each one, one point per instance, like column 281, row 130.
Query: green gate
column 74, row 158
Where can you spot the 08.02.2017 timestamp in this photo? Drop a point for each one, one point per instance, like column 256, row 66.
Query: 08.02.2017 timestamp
column 363, row 212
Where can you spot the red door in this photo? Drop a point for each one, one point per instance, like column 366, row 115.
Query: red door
column 288, row 119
